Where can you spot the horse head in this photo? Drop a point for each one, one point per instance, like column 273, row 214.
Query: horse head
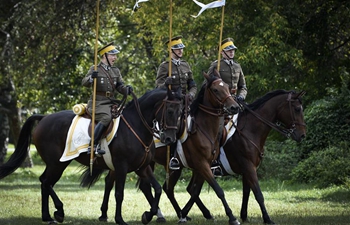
column 292, row 116
column 218, row 93
column 168, row 116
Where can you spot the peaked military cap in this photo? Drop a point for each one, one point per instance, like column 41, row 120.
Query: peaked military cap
column 176, row 43
column 109, row 49
column 227, row 44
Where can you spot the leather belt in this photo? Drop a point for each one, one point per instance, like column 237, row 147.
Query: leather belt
column 103, row 93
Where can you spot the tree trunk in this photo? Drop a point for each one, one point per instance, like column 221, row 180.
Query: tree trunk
column 8, row 97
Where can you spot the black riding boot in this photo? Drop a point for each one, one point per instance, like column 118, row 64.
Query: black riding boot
column 216, row 168
column 99, row 129
column 174, row 163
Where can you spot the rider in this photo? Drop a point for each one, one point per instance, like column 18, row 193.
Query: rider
column 109, row 82
column 181, row 76
column 232, row 74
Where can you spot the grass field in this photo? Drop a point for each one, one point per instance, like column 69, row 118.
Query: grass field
column 20, row 201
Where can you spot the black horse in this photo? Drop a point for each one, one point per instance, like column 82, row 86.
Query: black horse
column 130, row 148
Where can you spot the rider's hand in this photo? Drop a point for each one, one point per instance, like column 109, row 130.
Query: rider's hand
column 168, row 81
column 240, row 98
column 129, row 89
column 94, row 74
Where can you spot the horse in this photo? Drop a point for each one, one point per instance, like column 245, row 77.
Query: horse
column 280, row 110
column 129, row 148
column 202, row 146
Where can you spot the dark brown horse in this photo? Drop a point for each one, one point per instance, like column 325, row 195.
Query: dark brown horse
column 202, row 145
column 244, row 150
column 130, row 148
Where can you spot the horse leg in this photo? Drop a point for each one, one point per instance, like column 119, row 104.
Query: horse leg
column 206, row 213
column 169, row 191
column 251, row 183
column 109, row 183
column 149, row 178
column 208, row 176
column 120, row 178
column 194, row 189
column 48, row 179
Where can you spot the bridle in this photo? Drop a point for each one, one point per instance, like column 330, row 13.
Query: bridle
column 153, row 130
column 284, row 130
column 287, row 132
column 163, row 121
column 215, row 111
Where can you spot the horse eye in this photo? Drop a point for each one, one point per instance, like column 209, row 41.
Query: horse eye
column 298, row 109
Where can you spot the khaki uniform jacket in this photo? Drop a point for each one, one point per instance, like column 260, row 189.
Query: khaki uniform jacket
column 106, row 90
column 182, row 76
column 232, row 75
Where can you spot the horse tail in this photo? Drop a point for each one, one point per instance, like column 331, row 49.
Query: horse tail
column 22, row 148
column 87, row 179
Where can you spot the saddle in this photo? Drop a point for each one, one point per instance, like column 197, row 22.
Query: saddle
column 81, row 110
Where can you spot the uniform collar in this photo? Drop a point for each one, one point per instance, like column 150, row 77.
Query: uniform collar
column 176, row 61
column 106, row 67
column 229, row 61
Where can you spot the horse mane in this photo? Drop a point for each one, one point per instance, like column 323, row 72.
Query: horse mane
column 195, row 104
column 261, row 101
column 146, row 95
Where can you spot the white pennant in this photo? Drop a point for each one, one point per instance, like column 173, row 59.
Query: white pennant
column 215, row 4
column 137, row 4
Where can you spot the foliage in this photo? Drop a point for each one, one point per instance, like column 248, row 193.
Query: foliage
column 327, row 167
column 328, row 120
column 281, row 157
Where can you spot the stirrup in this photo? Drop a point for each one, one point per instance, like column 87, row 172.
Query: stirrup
column 217, row 171
column 174, row 164
column 98, row 151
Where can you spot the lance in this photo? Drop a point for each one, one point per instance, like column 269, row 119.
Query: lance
column 220, row 39
column 169, row 74
column 94, row 91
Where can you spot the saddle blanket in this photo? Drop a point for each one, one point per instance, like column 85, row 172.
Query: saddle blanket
column 230, row 128
column 78, row 139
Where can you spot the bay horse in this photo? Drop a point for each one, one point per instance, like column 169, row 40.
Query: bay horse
column 279, row 110
column 130, row 147
column 200, row 149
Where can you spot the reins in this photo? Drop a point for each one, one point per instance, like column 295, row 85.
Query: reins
column 216, row 112
column 152, row 130
column 284, row 131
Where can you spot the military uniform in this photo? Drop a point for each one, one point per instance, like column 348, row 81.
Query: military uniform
column 231, row 73
column 109, row 83
column 181, row 76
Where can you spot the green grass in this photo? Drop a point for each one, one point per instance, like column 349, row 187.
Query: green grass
column 20, row 201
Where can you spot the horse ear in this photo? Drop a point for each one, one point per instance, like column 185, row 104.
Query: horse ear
column 216, row 73
column 301, row 94
column 205, row 75
column 170, row 94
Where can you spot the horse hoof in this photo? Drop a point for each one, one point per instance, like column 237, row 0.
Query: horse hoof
column 211, row 217
column 146, row 217
column 52, row 222
column 59, row 217
column 102, row 219
column 182, row 220
column 235, row 222
column 161, row 220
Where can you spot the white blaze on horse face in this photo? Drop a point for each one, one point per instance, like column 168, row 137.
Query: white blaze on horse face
column 221, row 83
